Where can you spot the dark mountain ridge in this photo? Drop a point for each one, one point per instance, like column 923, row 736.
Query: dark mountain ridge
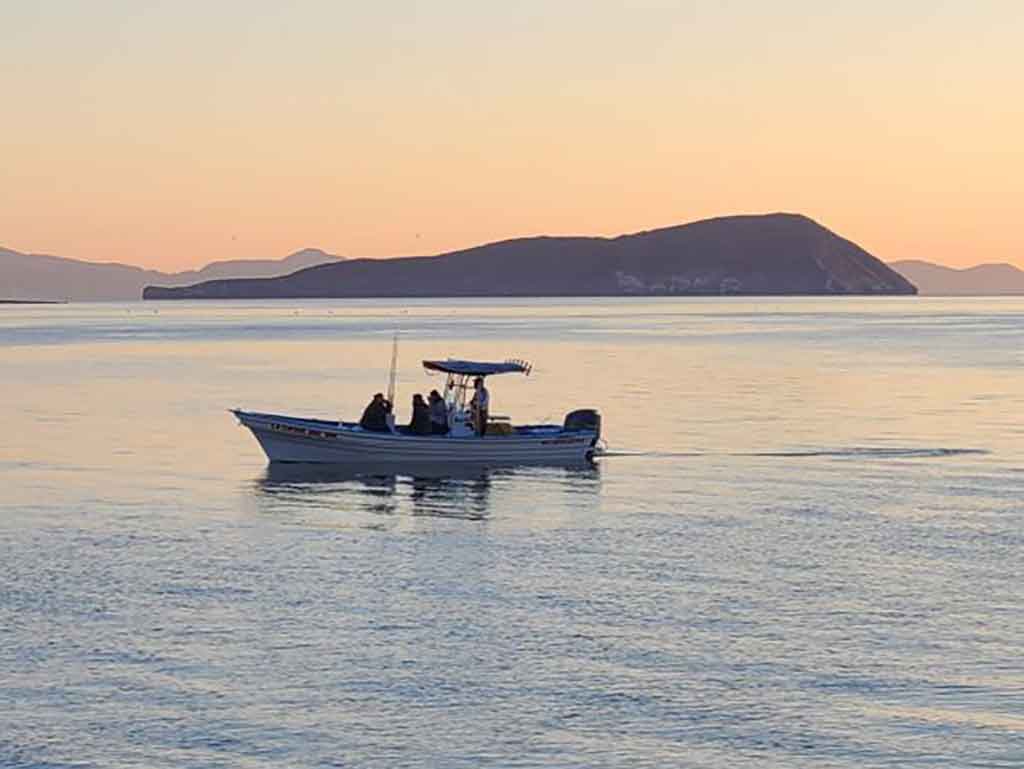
column 754, row 255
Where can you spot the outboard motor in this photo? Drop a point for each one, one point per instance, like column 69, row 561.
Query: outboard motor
column 583, row 419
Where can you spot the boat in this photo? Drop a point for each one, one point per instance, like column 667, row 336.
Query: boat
column 322, row 441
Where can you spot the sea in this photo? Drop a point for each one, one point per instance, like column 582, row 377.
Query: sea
column 803, row 546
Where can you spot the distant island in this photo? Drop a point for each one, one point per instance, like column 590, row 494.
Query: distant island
column 56, row 278
column 772, row 254
column 983, row 280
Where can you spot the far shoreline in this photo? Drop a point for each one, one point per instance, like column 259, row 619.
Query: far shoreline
column 33, row 301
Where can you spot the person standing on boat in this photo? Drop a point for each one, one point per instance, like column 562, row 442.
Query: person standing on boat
column 480, row 405
column 438, row 414
column 375, row 417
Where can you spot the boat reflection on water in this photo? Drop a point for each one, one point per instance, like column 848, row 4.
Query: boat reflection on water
column 466, row 491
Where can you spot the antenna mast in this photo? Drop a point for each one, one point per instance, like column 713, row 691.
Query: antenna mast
column 394, row 369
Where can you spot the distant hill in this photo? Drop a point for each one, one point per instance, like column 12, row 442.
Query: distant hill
column 258, row 268
column 39, row 276
column 769, row 254
column 983, row 280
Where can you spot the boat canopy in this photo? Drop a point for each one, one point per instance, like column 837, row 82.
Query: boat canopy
column 475, row 368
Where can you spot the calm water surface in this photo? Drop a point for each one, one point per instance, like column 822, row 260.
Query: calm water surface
column 805, row 549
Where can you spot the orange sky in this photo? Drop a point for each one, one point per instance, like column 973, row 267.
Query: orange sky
column 177, row 134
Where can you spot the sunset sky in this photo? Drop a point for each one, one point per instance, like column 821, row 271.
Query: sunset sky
column 170, row 134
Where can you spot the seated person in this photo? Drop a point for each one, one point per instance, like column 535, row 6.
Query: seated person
column 420, row 423
column 375, row 415
column 438, row 414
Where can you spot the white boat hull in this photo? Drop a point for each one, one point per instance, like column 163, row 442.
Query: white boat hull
column 290, row 439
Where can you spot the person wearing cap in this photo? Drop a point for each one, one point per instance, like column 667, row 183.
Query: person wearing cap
column 480, row 404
